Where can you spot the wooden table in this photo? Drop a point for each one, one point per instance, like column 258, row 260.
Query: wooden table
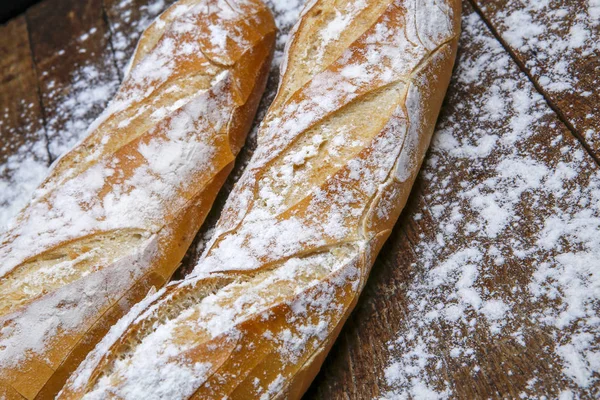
column 489, row 286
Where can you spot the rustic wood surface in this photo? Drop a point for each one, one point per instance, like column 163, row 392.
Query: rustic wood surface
column 68, row 38
column 126, row 19
column 19, row 104
column 60, row 47
column 557, row 44
column 21, row 119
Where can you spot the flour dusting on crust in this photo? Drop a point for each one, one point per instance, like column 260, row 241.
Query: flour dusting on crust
column 298, row 235
column 139, row 173
column 89, row 92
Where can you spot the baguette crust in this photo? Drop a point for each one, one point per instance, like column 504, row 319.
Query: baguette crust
column 118, row 212
column 339, row 150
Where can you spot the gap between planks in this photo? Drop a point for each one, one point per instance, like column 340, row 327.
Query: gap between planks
column 38, row 91
column 110, row 41
column 559, row 113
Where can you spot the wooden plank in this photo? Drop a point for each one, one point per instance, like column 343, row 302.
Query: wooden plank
column 488, row 287
column 75, row 66
column 127, row 19
column 23, row 155
column 558, row 43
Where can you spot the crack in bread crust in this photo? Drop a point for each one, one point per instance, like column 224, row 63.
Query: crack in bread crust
column 117, row 213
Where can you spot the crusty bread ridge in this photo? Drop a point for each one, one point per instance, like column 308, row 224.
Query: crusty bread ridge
column 361, row 88
column 117, row 213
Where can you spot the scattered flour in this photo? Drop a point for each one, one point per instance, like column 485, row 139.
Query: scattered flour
column 537, row 26
column 565, row 285
column 90, row 89
column 20, row 174
column 559, row 42
column 89, row 92
column 128, row 22
column 517, row 248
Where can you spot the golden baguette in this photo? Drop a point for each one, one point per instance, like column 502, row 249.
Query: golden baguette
column 118, row 212
column 361, row 89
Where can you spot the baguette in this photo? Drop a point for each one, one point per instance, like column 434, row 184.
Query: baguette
column 116, row 214
column 339, row 149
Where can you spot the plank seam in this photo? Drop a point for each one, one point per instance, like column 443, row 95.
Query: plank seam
column 561, row 116
column 38, row 91
column 110, row 40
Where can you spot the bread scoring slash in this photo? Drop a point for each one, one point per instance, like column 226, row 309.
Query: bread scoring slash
column 361, row 87
column 118, row 212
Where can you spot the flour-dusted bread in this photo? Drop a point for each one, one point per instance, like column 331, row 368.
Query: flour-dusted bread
column 338, row 152
column 118, row 212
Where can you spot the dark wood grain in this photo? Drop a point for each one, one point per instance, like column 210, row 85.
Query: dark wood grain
column 557, row 45
column 72, row 53
column 78, row 44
